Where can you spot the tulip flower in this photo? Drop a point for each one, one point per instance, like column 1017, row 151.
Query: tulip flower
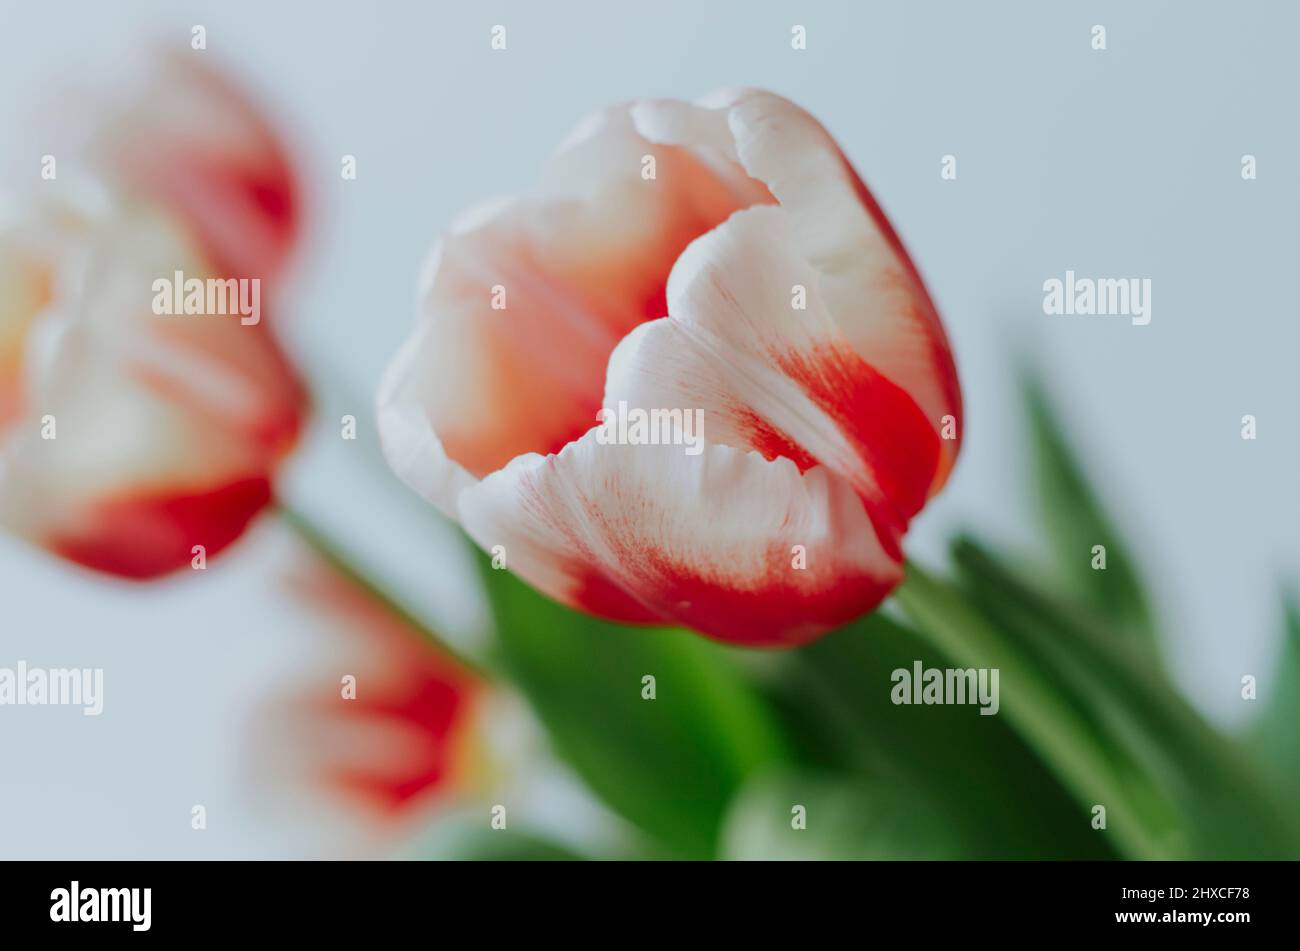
column 386, row 729
column 721, row 257
column 132, row 440
column 176, row 130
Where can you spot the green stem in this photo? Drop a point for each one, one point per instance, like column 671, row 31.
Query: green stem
column 1047, row 721
column 334, row 555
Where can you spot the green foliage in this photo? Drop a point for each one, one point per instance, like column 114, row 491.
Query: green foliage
column 840, row 820
column 1193, row 792
column 1073, row 521
column 670, row 765
column 1275, row 735
column 995, row 792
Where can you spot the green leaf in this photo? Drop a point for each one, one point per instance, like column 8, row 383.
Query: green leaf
column 1275, row 735
column 993, row 786
column 1053, row 722
column 1075, row 520
column 841, row 820
column 670, row 765
column 1177, row 785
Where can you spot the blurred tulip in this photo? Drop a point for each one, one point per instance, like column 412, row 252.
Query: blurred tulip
column 180, row 133
column 383, row 728
column 721, row 257
column 392, row 745
column 130, row 438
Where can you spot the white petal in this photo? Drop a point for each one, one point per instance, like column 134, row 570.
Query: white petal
column 868, row 280
column 773, row 376
column 638, row 532
column 409, row 442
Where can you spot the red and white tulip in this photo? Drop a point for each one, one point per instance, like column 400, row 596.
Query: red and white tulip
column 721, row 256
column 132, row 442
column 389, row 725
column 178, row 131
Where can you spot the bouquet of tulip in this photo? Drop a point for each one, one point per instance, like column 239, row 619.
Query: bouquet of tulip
column 685, row 399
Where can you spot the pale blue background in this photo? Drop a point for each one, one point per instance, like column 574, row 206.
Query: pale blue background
column 1122, row 163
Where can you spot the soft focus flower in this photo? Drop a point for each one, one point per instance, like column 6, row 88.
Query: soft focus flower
column 382, row 743
column 721, row 256
column 179, row 132
column 384, row 728
column 129, row 438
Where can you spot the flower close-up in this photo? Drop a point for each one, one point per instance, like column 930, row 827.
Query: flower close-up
column 721, row 259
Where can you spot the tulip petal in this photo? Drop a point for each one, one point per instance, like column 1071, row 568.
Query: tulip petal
column 751, row 342
column 867, row 279
column 712, row 541
column 25, row 290
column 523, row 301
column 411, row 446
column 407, row 732
column 194, row 142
